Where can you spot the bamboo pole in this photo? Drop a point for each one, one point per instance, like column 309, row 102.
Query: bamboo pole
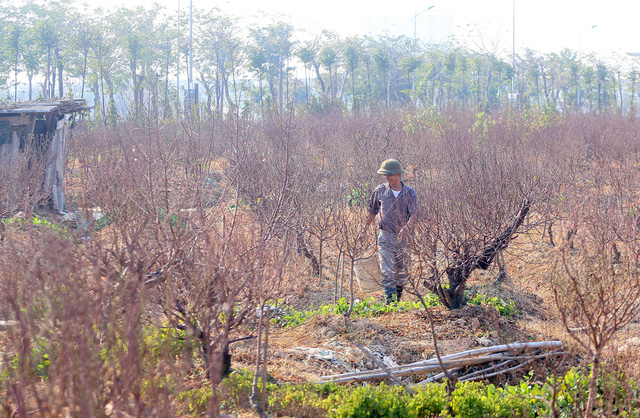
column 463, row 354
column 385, row 368
column 503, row 353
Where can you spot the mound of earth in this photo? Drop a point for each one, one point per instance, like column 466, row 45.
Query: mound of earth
column 325, row 345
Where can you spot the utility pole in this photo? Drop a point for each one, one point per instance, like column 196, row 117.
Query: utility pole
column 190, row 45
column 580, row 61
column 415, row 21
column 513, row 53
column 178, row 61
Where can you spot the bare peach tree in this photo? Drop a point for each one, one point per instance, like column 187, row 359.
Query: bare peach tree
column 476, row 194
column 160, row 262
column 596, row 285
column 350, row 244
column 321, row 222
column 22, row 179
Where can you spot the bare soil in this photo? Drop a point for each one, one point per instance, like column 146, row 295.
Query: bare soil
column 325, row 345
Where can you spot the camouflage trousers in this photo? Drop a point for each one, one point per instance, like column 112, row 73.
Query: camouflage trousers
column 394, row 257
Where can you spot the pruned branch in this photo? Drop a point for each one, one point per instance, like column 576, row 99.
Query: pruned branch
column 506, row 353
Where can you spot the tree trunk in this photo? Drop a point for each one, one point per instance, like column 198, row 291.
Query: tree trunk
column 15, row 79
column 166, row 85
column 45, row 89
column 323, row 88
column 60, row 68
column 453, row 297
column 459, row 271
column 302, row 249
column 96, row 95
column 351, row 298
column 593, row 385
column 30, row 76
column 84, row 72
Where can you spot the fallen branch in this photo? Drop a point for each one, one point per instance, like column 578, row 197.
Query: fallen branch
column 385, row 368
column 437, row 376
column 482, row 374
column 506, row 353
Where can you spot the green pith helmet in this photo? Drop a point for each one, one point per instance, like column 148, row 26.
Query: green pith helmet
column 390, row 167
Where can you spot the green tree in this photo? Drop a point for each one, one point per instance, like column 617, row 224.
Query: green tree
column 328, row 58
column 272, row 49
column 220, row 58
column 136, row 29
column 633, row 78
column 601, row 77
column 383, row 65
column 408, row 65
column 588, row 75
column 351, row 55
column 53, row 32
column 15, row 34
column 105, row 62
column 306, row 54
column 81, row 44
column 48, row 39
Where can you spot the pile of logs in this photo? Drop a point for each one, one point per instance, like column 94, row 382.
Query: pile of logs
column 492, row 361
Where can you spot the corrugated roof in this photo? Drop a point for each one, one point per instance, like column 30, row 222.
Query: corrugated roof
column 45, row 106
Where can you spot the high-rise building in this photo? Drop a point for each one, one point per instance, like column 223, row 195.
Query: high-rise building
column 431, row 26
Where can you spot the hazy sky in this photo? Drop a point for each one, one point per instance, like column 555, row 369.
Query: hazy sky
column 542, row 25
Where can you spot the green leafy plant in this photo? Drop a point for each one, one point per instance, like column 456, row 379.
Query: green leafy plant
column 307, row 400
column 195, row 400
column 361, row 308
column 235, row 389
column 39, row 222
column 358, row 195
column 469, row 399
column 429, row 401
column 38, row 360
column 364, row 402
column 505, row 308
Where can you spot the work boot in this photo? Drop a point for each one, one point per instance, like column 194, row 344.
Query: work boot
column 389, row 293
column 399, row 290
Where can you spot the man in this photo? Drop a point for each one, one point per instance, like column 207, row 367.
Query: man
column 395, row 203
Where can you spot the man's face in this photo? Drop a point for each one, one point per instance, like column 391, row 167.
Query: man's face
column 393, row 179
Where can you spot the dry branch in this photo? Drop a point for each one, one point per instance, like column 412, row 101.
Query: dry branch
column 383, row 367
column 505, row 353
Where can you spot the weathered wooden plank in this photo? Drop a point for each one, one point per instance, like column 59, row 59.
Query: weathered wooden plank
column 34, row 109
column 46, row 106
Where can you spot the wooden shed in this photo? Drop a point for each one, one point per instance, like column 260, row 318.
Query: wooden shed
column 45, row 120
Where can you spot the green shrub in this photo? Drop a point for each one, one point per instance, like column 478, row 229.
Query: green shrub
column 307, row 400
column 616, row 394
column 163, row 342
column 195, row 400
column 235, row 389
column 505, row 308
column 430, row 401
column 371, row 402
column 523, row 400
column 361, row 308
column 470, row 400
column 39, row 223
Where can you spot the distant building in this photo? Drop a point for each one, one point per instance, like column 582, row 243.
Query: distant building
column 433, row 26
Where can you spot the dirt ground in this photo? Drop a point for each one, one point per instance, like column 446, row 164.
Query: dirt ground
column 325, row 345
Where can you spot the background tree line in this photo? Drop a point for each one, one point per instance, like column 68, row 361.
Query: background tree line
column 131, row 60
